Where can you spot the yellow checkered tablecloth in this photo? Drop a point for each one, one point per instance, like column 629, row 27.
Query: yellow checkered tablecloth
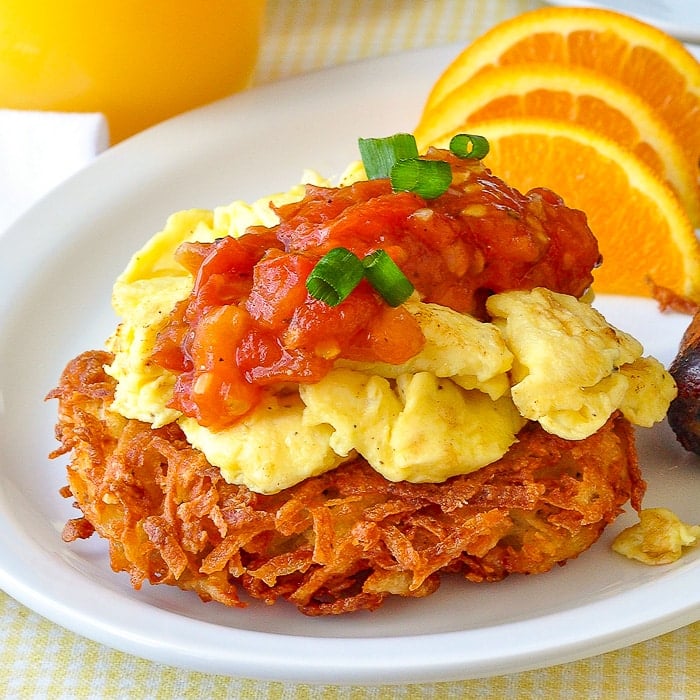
column 39, row 659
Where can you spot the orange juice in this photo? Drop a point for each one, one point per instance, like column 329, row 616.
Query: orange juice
column 137, row 62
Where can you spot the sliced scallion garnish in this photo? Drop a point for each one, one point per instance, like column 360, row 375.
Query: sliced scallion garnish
column 334, row 276
column 427, row 178
column 380, row 154
column 339, row 271
column 387, row 278
column 469, row 146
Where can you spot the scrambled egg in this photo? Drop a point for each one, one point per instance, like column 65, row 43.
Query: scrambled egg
column 259, row 450
column 572, row 369
column 658, row 538
column 453, row 408
column 473, row 354
column 420, row 428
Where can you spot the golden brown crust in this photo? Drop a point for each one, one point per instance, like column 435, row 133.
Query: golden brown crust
column 669, row 300
column 335, row 543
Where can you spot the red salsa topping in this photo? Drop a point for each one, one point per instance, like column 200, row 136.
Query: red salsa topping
column 250, row 321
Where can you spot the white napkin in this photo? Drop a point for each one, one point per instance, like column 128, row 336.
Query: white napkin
column 38, row 150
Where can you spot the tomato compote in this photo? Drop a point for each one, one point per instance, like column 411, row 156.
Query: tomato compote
column 250, row 321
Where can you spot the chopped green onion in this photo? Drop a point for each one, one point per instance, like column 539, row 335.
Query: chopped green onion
column 427, row 178
column 469, row 146
column 379, row 155
column 334, row 276
column 386, row 277
column 339, row 271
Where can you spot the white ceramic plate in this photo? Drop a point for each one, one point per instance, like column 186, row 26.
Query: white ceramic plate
column 680, row 18
column 57, row 265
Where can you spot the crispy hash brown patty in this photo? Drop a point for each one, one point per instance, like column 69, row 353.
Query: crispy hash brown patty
column 335, row 543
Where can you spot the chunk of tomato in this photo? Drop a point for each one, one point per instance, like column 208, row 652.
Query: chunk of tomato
column 279, row 287
column 215, row 392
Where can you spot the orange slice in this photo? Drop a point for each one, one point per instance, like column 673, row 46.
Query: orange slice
column 573, row 94
column 650, row 62
column 643, row 232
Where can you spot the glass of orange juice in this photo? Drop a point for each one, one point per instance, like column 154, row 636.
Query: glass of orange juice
column 136, row 61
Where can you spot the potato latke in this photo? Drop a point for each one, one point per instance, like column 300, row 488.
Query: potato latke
column 338, row 542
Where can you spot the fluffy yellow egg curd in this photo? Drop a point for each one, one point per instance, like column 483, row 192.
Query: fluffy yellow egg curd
column 453, row 408
column 660, row 537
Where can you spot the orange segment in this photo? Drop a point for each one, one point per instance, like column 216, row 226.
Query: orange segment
column 643, row 232
column 650, row 62
column 573, row 94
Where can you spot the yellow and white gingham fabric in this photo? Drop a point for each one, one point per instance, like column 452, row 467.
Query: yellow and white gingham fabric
column 41, row 660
